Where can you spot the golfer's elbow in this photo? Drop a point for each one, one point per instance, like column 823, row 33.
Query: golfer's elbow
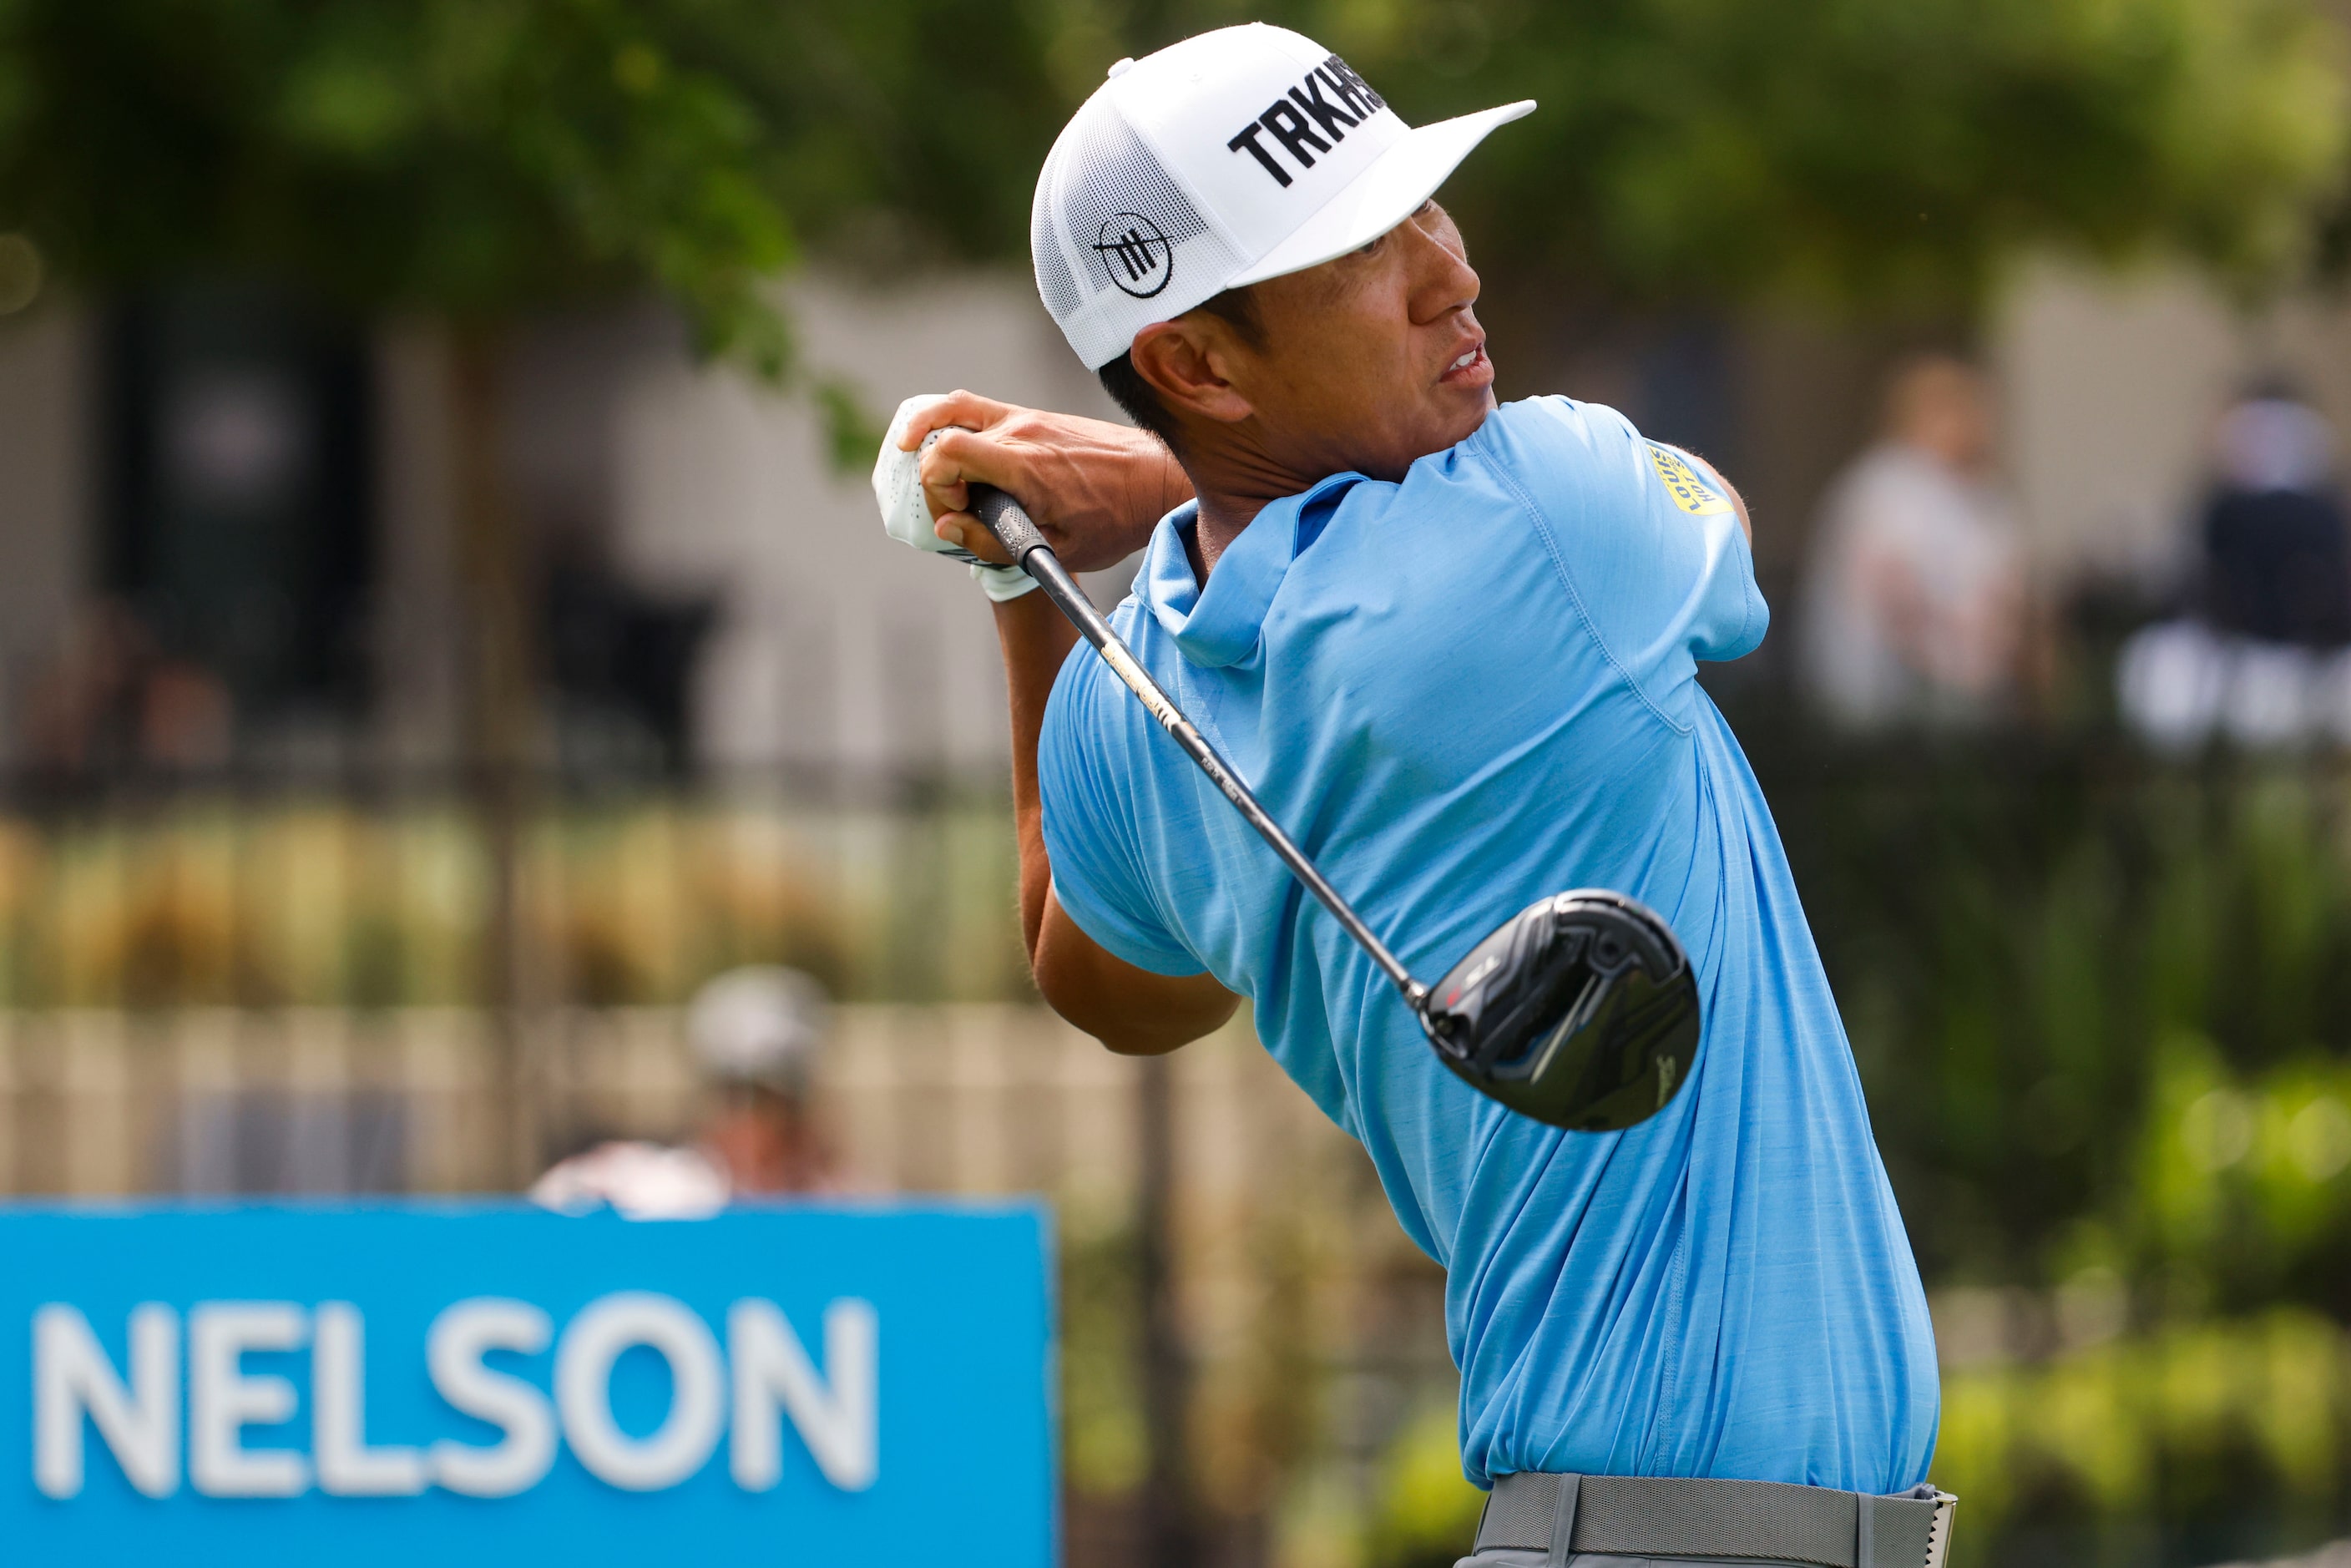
column 1126, row 1032
column 1130, row 1010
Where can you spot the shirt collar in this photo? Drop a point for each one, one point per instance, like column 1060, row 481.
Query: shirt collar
column 1220, row 625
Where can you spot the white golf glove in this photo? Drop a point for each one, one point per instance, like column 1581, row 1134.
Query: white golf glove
column 907, row 512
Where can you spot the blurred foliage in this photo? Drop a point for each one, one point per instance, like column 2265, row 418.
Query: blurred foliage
column 471, row 157
column 1888, row 151
column 2039, row 950
column 1104, row 1448
column 1425, row 1511
column 2191, row 1442
column 211, row 902
column 468, row 158
column 2240, row 1194
column 2100, row 1004
column 478, row 161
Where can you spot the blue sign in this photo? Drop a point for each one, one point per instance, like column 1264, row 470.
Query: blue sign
column 459, row 1385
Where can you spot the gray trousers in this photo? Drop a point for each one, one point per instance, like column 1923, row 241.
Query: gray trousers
column 1635, row 1522
column 1511, row 1557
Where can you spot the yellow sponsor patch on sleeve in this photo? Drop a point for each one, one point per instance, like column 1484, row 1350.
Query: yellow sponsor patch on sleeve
column 1690, row 493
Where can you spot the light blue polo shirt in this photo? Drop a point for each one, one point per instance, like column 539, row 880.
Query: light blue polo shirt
column 1459, row 693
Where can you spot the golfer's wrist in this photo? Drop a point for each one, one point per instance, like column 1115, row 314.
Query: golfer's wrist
column 1030, row 615
column 1003, row 584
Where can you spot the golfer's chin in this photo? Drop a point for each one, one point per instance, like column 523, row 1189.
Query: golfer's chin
column 1465, row 408
column 1442, row 423
column 1442, row 418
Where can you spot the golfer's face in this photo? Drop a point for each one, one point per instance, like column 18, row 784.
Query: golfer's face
column 1376, row 359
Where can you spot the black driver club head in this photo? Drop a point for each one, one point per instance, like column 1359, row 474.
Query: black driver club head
column 1582, row 1012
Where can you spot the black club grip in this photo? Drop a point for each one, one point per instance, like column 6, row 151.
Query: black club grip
column 1007, row 521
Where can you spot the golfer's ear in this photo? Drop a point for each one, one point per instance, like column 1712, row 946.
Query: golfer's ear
column 1186, row 362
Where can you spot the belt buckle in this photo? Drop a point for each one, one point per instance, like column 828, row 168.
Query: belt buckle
column 1939, row 1533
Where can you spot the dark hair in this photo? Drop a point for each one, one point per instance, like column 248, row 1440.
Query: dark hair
column 1235, row 308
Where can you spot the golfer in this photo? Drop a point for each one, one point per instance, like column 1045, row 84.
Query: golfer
column 1454, row 648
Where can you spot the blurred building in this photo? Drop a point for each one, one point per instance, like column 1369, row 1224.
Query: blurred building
column 2113, row 382
column 216, row 487
column 225, row 521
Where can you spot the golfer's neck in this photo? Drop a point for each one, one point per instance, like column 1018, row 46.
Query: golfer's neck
column 1233, row 486
column 1220, row 522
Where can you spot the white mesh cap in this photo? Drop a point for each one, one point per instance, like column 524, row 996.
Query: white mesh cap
column 1236, row 156
column 761, row 1024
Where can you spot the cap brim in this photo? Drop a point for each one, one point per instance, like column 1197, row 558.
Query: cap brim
column 1384, row 194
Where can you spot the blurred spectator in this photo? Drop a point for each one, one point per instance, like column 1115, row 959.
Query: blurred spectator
column 2262, row 659
column 1914, row 603
column 2275, row 564
column 114, row 700
column 755, row 1033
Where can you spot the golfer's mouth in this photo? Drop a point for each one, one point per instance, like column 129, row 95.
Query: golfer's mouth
column 1473, row 369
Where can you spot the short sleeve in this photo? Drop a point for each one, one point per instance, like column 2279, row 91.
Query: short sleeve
column 1651, row 547
column 1087, row 829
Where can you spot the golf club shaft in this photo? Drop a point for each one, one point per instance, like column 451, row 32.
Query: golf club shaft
column 1015, row 531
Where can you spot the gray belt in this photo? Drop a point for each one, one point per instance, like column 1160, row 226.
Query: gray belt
column 1767, row 1522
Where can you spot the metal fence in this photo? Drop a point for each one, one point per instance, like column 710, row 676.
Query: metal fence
column 204, row 893
column 2063, row 967
column 973, row 1098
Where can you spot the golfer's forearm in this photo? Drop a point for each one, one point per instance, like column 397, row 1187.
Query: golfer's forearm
column 1130, row 1010
column 1035, row 639
column 1133, row 1011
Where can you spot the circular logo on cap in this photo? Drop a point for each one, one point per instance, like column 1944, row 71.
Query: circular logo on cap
column 1139, row 258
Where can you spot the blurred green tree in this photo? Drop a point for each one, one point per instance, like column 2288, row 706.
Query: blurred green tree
column 480, row 158
column 1879, row 151
column 1885, row 153
column 476, row 159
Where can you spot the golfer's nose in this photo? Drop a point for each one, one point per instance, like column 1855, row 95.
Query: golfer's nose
column 1442, row 279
